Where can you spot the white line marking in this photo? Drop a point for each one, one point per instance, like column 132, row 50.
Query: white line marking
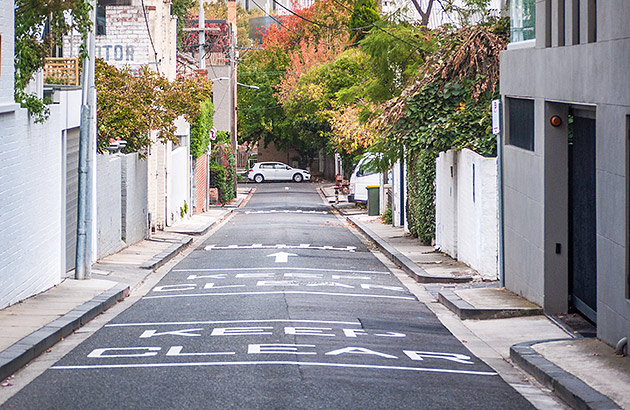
column 221, row 322
column 280, row 268
column 275, row 363
column 288, row 292
column 286, row 211
column 350, row 249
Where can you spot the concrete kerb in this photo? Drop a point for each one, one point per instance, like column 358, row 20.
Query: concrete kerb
column 569, row 388
column 168, row 254
column 465, row 310
column 22, row 352
column 406, row 264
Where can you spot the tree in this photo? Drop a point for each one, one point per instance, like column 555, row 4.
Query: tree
column 364, row 15
column 200, row 129
column 130, row 107
column 39, row 26
column 424, row 14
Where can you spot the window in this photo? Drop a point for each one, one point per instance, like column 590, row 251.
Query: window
column 100, row 20
column 521, row 123
column 522, row 20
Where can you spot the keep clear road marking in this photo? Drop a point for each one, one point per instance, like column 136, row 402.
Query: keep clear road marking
column 280, row 268
column 275, row 363
column 282, row 257
column 287, row 292
column 223, row 322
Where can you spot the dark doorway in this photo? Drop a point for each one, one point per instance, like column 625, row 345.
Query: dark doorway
column 582, row 216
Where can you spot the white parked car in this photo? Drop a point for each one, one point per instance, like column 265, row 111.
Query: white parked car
column 362, row 177
column 276, row 171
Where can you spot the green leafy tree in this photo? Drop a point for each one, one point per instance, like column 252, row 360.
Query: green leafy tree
column 200, row 130
column 223, row 166
column 39, row 26
column 130, row 107
column 364, row 15
column 445, row 107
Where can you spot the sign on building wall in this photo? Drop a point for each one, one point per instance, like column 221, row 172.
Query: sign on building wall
column 496, row 117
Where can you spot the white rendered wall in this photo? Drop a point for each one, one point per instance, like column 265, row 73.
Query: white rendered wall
column 6, row 53
column 466, row 210
column 446, row 202
column 178, row 181
column 32, row 198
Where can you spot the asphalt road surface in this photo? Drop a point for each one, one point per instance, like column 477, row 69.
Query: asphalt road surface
column 282, row 308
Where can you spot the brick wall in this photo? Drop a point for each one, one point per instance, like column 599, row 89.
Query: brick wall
column 127, row 41
column 157, row 183
column 201, row 178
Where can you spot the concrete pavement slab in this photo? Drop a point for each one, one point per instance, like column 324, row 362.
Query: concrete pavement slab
column 600, row 368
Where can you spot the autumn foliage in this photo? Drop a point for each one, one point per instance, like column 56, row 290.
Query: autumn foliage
column 131, row 106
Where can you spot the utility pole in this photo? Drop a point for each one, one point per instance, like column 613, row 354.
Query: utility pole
column 202, row 37
column 233, row 99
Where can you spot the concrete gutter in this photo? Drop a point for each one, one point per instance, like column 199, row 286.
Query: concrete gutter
column 406, row 264
column 22, row 352
column 569, row 388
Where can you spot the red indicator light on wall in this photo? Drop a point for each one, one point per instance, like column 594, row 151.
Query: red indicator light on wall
column 556, row 121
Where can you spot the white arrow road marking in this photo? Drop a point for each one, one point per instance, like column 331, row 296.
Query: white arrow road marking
column 282, row 257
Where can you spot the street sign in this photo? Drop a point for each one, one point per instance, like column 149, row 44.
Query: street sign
column 496, row 116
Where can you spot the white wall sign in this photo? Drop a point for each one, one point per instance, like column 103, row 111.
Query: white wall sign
column 496, row 116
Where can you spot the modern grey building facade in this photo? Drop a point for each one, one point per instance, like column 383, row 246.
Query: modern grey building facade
column 565, row 85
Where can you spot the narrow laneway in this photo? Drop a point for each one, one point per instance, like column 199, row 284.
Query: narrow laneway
column 282, row 308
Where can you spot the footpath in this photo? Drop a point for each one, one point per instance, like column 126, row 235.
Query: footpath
column 561, row 353
column 502, row 328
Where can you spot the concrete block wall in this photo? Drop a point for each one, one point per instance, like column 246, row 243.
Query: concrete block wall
column 134, row 197
column 466, row 209
column 108, row 204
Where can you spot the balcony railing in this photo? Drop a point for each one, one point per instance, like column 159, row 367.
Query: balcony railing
column 60, row 70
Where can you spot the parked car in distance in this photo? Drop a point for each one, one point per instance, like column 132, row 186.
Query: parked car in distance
column 277, row 171
column 362, row 177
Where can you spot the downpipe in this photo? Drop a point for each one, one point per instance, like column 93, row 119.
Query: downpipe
column 621, row 349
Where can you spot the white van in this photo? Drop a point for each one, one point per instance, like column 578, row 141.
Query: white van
column 363, row 176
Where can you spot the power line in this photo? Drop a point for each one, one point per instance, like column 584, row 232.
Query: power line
column 323, row 25
column 155, row 54
column 379, row 28
column 290, row 29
